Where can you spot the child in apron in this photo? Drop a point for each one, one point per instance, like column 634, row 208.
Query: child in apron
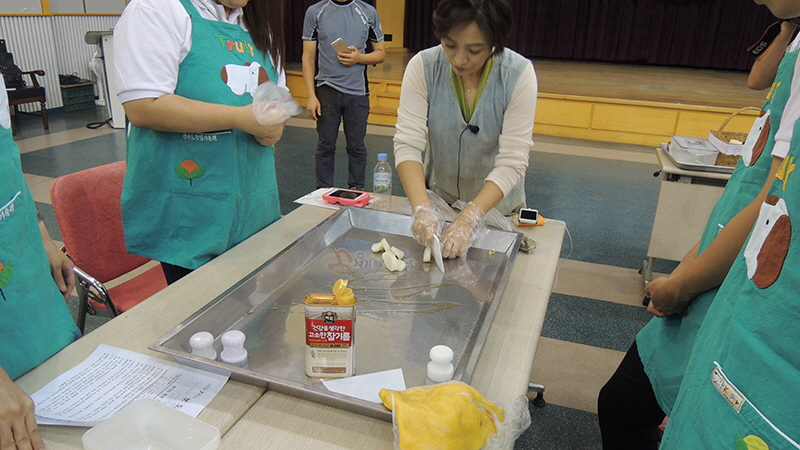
column 664, row 344
column 34, row 317
column 743, row 378
column 188, row 197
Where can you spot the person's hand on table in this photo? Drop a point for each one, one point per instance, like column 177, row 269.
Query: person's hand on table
column 458, row 236
column 425, row 226
column 18, row 428
column 666, row 297
column 60, row 265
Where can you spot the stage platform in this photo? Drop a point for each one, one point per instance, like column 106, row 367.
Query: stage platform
column 633, row 104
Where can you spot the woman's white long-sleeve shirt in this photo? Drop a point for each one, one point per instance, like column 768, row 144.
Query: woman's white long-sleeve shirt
column 515, row 133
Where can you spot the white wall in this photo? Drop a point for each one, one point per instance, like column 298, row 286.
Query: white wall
column 54, row 44
column 20, row 7
column 62, row 6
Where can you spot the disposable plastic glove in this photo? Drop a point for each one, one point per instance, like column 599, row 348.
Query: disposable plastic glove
column 446, row 416
column 273, row 104
column 425, row 225
column 460, row 234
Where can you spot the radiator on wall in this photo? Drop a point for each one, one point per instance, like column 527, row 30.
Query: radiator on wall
column 54, row 44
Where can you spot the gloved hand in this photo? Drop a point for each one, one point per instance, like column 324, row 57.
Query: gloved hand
column 425, row 225
column 459, row 235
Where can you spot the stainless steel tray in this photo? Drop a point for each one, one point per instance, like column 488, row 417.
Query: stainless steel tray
column 687, row 161
column 400, row 315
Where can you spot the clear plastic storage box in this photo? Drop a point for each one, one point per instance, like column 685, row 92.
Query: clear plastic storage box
column 147, row 424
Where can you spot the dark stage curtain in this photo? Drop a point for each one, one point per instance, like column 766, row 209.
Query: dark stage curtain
column 295, row 11
column 712, row 34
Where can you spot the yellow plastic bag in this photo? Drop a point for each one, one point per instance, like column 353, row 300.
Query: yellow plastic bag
column 452, row 416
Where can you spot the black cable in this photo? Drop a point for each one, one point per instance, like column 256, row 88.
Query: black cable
column 96, row 125
column 458, row 164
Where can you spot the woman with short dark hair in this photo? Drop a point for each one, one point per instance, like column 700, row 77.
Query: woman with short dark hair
column 465, row 122
column 493, row 19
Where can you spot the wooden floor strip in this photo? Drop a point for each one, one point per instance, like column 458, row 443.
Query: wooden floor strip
column 573, row 374
column 61, row 138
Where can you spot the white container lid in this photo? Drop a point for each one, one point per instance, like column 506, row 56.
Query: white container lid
column 149, row 424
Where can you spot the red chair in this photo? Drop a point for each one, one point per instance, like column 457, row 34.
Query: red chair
column 88, row 211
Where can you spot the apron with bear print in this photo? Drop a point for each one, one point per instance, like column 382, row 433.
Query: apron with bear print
column 742, row 383
column 188, row 197
column 665, row 344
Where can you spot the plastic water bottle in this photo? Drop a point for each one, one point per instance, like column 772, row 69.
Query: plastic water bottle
column 382, row 183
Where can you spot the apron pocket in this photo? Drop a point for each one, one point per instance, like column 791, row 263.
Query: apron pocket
column 755, row 425
column 201, row 163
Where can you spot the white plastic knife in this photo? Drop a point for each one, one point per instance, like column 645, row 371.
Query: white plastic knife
column 436, row 250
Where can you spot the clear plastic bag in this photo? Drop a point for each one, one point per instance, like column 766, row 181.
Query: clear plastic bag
column 273, row 104
column 517, row 420
column 444, row 211
column 493, row 218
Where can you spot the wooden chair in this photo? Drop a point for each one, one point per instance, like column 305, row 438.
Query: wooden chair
column 27, row 94
column 89, row 215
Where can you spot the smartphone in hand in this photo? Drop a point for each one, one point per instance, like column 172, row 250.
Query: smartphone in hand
column 340, row 46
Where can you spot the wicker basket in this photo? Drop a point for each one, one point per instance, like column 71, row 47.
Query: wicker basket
column 729, row 153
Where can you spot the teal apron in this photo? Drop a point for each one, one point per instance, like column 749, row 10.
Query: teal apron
column 742, row 383
column 34, row 317
column 188, row 197
column 665, row 344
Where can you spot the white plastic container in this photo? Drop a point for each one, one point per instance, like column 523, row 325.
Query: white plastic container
column 147, row 424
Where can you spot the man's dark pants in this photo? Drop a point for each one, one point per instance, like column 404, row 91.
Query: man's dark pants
column 353, row 111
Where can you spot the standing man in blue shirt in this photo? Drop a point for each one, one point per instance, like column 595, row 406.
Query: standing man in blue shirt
column 336, row 82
